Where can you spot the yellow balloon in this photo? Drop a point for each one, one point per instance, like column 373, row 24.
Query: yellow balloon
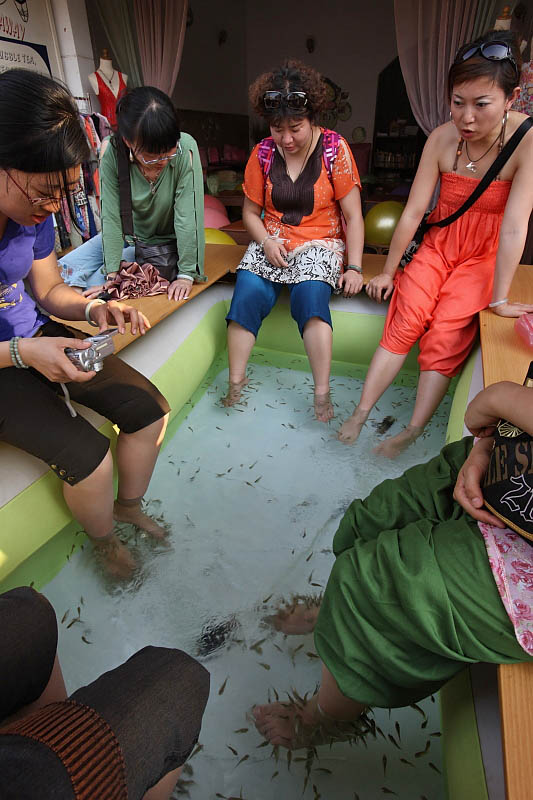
column 214, row 236
column 381, row 221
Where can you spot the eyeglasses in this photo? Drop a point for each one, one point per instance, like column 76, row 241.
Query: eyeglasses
column 43, row 201
column 294, row 101
column 492, row 51
column 160, row 159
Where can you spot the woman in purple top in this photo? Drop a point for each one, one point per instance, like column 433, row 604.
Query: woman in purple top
column 41, row 148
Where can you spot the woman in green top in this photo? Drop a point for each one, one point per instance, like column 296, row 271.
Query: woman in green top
column 167, row 196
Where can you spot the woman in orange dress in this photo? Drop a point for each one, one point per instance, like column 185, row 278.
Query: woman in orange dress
column 468, row 265
column 305, row 179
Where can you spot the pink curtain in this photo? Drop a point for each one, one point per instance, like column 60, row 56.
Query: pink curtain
column 428, row 34
column 160, row 33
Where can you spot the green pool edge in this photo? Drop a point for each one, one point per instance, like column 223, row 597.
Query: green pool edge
column 37, row 553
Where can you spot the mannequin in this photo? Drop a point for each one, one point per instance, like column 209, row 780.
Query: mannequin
column 503, row 21
column 108, row 84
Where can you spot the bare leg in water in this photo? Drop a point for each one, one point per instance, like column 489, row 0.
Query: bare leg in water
column 318, row 338
column 293, row 726
column 432, row 386
column 91, row 500
column 382, row 370
column 136, row 456
column 240, row 344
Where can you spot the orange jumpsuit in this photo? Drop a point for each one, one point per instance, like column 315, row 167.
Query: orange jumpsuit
column 438, row 295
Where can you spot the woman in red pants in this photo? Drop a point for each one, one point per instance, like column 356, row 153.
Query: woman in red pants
column 468, row 265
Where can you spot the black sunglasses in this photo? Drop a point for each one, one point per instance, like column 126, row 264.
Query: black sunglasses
column 492, row 51
column 294, row 101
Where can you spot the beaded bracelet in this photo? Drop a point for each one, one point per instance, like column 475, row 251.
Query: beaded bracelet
column 354, row 267
column 499, row 302
column 269, row 236
column 16, row 358
column 88, row 307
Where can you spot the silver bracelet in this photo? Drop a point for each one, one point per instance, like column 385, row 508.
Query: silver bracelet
column 354, row 267
column 88, row 307
column 499, row 302
column 16, row 358
column 268, row 236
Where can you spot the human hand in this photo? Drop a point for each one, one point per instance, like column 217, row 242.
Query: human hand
column 46, row 354
column 275, row 252
column 115, row 313
column 179, row 289
column 351, row 282
column 380, row 287
column 512, row 309
column 94, row 291
column 480, row 419
column 467, row 491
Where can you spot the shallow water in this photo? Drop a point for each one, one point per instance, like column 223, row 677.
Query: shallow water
column 253, row 496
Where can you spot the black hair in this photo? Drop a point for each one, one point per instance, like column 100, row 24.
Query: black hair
column 40, row 129
column 502, row 73
column 146, row 116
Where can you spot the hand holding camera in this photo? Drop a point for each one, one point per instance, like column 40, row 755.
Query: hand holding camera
column 91, row 359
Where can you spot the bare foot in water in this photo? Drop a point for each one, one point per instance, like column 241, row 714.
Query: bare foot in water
column 115, row 557
column 297, row 619
column 323, row 407
column 395, row 445
column 134, row 515
column 234, row 392
column 349, row 431
column 300, row 723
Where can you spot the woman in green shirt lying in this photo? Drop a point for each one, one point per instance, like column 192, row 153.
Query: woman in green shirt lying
column 167, row 197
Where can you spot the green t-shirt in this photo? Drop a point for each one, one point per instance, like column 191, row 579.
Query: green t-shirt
column 175, row 210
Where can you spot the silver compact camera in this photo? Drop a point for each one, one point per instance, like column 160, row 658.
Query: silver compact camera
column 92, row 358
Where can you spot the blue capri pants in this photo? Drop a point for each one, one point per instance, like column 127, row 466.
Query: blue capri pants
column 254, row 298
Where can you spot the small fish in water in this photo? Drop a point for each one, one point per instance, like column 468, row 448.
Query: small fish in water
column 241, row 730
column 235, row 752
column 221, row 690
column 383, row 426
column 244, row 758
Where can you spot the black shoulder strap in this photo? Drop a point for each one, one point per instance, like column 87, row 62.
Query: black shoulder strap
column 124, row 190
column 490, row 174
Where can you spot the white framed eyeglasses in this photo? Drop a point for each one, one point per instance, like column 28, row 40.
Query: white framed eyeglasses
column 160, row 159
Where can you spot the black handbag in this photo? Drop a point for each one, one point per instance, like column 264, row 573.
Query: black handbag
column 508, row 485
column 487, row 179
column 163, row 256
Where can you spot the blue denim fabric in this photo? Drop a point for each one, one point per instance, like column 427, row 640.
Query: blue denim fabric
column 83, row 266
column 254, row 298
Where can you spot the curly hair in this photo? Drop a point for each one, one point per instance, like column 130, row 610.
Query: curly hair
column 292, row 76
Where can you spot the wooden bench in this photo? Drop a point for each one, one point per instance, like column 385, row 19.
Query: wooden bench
column 506, row 357
column 220, row 259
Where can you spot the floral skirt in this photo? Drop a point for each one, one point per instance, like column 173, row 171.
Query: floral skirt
column 317, row 260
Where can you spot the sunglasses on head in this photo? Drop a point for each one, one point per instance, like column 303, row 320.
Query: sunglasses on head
column 492, row 51
column 294, row 101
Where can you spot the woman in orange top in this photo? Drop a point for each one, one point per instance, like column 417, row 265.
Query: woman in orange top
column 303, row 177
column 468, row 265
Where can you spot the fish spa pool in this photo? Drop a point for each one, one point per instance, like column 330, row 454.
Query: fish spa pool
column 252, row 496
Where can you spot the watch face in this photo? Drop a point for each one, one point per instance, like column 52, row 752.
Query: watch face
column 358, row 134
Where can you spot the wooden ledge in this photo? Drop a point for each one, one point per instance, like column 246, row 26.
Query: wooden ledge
column 506, row 357
column 219, row 260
